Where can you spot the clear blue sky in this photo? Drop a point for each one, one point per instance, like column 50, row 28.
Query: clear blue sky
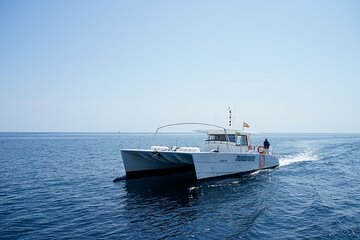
column 283, row 66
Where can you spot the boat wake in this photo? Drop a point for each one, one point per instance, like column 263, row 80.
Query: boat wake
column 308, row 155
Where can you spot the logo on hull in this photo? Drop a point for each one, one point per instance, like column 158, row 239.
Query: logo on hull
column 245, row 158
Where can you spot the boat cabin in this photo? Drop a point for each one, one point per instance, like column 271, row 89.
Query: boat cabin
column 228, row 141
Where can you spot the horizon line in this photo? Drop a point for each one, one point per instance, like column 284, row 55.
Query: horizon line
column 152, row 132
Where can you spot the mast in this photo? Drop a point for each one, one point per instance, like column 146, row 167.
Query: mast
column 229, row 116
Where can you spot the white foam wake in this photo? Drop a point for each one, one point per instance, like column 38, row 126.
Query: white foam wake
column 308, row 155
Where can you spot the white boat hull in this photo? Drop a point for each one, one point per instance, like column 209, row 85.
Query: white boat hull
column 220, row 164
column 147, row 160
column 205, row 164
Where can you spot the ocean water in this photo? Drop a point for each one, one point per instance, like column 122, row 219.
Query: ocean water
column 60, row 186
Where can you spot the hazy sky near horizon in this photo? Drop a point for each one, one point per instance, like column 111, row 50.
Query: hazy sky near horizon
column 283, row 66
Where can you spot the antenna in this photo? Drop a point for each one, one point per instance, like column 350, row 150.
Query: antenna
column 229, row 116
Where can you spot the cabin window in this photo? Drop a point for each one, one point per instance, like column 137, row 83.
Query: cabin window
column 231, row 138
column 241, row 140
column 221, row 137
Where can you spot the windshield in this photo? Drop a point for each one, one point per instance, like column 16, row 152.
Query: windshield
column 241, row 140
column 221, row 137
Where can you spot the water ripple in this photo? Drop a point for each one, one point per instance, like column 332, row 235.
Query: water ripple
column 59, row 186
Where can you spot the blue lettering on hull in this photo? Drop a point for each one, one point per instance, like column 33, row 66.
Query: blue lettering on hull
column 245, row 158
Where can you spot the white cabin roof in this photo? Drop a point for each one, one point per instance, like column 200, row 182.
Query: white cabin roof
column 228, row 131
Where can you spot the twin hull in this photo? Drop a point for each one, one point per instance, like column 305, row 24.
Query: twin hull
column 206, row 164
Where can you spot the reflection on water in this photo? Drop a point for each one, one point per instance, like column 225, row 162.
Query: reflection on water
column 179, row 206
column 172, row 187
column 158, row 206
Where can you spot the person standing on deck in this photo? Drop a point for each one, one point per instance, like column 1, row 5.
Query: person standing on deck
column 266, row 145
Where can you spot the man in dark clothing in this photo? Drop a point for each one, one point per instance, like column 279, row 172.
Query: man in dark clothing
column 266, row 144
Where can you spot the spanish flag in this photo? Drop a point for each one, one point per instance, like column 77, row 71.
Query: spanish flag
column 245, row 125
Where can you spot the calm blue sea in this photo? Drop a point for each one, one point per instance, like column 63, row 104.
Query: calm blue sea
column 60, row 186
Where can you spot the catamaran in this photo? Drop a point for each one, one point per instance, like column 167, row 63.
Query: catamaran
column 225, row 152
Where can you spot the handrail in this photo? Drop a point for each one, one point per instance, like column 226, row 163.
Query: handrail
column 194, row 123
column 189, row 123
